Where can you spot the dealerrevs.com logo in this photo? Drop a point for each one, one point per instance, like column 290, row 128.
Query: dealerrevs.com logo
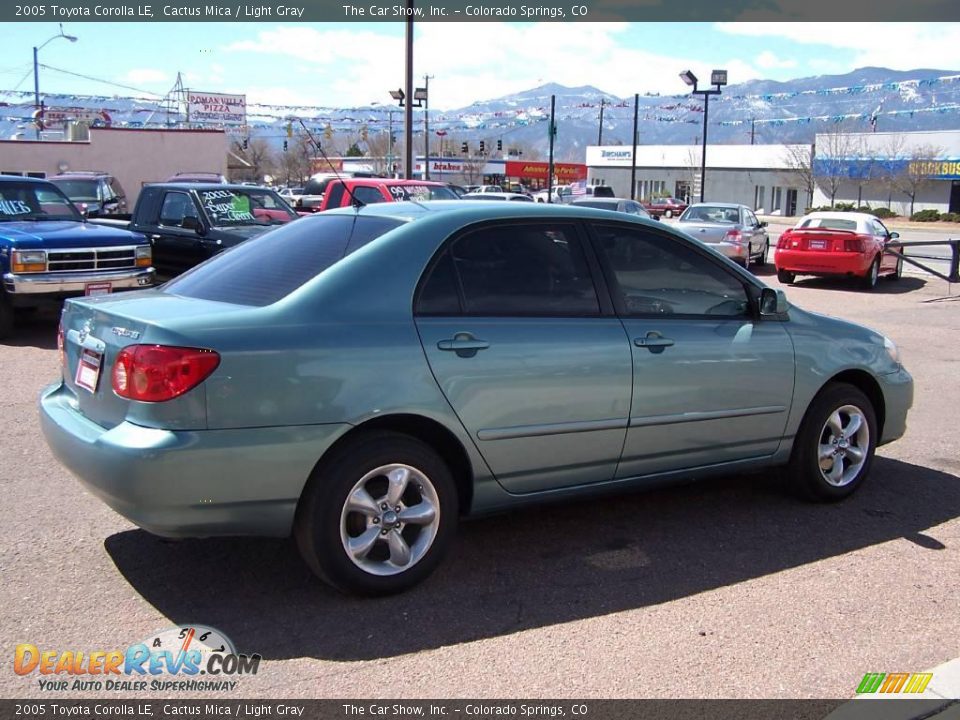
column 188, row 657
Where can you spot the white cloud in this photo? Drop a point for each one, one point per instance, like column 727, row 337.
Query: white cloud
column 900, row 46
column 768, row 61
column 147, row 75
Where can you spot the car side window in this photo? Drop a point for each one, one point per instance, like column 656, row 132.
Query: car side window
column 657, row 275
column 367, row 195
column 176, row 206
column 879, row 230
column 518, row 270
column 750, row 218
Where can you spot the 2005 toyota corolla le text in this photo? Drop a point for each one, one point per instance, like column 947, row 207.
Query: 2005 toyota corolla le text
column 365, row 377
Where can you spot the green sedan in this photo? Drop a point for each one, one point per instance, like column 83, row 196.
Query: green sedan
column 363, row 378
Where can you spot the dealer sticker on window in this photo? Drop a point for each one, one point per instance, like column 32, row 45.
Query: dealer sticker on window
column 88, row 369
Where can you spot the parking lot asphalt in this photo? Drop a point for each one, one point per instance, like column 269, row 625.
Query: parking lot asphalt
column 726, row 588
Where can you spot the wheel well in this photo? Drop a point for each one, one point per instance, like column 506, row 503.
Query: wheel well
column 433, row 434
column 866, row 384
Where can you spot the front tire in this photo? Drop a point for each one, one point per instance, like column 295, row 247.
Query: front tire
column 834, row 448
column 378, row 515
column 762, row 260
column 786, row 277
column 898, row 273
column 6, row 316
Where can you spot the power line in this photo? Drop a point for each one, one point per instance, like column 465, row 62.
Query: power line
column 100, row 80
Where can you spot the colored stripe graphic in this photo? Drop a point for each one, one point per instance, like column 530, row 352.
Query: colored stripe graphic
column 913, row 683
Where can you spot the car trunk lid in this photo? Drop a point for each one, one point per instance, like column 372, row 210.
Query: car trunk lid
column 93, row 332
column 707, row 232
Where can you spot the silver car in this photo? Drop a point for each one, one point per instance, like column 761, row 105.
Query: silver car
column 733, row 230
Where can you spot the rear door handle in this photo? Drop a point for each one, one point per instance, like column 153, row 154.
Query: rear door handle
column 653, row 341
column 463, row 344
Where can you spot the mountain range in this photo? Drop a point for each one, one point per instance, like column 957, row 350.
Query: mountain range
column 769, row 111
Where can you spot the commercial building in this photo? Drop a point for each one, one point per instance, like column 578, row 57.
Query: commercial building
column 885, row 169
column 762, row 177
column 134, row 156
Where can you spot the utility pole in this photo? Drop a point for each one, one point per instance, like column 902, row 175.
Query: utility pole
column 753, row 123
column 426, row 127
column 553, row 133
column 633, row 160
column 600, row 131
column 408, row 92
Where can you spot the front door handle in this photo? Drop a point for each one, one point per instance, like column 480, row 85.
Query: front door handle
column 463, row 344
column 653, row 341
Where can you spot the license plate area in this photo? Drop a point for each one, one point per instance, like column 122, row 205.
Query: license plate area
column 818, row 245
column 88, row 369
column 98, row 288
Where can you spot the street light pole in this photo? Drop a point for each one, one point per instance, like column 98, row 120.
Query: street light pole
column 408, row 92
column 36, row 72
column 717, row 79
column 426, row 126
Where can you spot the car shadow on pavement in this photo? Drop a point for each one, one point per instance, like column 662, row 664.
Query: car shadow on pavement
column 37, row 328
column 533, row 568
column 906, row 284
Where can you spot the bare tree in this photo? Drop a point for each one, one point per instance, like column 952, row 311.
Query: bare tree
column 799, row 161
column 294, row 164
column 258, row 154
column 917, row 172
column 831, row 166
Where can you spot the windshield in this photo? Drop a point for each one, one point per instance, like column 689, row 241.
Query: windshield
column 78, row 189
column 269, row 267
column 236, row 207
column 35, row 201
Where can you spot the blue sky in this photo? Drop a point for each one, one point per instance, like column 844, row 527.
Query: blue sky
column 345, row 64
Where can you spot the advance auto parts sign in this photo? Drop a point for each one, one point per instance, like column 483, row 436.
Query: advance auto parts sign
column 216, row 108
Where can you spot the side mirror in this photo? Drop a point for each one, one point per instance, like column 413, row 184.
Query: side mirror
column 894, row 236
column 773, row 302
column 191, row 222
column 763, row 223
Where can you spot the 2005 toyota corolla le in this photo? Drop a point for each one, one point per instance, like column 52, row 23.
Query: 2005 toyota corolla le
column 363, row 378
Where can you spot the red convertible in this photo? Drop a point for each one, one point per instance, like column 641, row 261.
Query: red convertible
column 666, row 207
column 844, row 244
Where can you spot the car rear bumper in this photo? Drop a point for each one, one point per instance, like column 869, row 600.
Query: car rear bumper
column 898, row 398
column 76, row 283
column 805, row 262
column 195, row 483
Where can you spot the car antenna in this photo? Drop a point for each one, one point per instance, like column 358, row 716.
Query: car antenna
column 357, row 204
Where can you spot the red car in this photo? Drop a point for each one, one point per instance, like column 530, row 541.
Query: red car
column 844, row 244
column 666, row 207
column 366, row 191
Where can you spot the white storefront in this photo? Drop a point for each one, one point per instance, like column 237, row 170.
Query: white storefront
column 759, row 176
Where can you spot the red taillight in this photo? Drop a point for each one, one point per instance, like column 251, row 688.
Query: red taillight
column 854, row 244
column 733, row 236
column 784, row 240
column 154, row 373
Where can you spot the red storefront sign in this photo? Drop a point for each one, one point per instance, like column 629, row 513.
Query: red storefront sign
column 564, row 172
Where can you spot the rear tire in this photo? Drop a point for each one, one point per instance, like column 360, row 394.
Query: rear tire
column 668, row 213
column 377, row 515
column 869, row 280
column 834, row 447
column 786, row 277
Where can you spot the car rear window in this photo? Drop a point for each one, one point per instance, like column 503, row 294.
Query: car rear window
column 267, row 268
column 830, row 223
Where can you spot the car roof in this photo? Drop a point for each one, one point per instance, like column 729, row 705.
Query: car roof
column 717, row 204
column 488, row 195
column 22, row 178
column 477, row 211
column 606, row 200
column 389, row 181
column 207, row 186
column 80, row 174
column 839, row 215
